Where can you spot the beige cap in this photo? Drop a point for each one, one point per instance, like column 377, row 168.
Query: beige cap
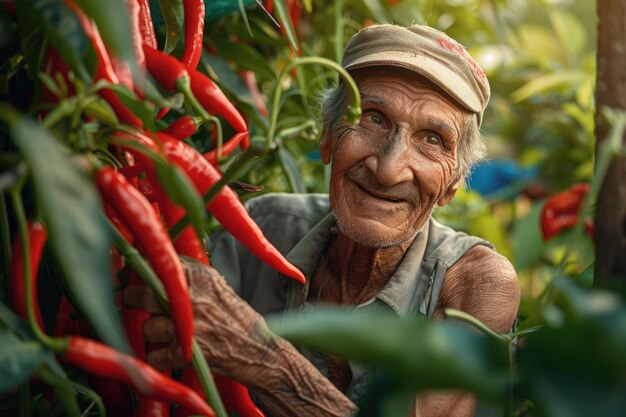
column 427, row 51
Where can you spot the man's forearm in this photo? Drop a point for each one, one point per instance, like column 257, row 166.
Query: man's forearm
column 291, row 386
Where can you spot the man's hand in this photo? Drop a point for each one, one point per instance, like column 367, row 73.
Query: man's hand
column 227, row 328
column 237, row 343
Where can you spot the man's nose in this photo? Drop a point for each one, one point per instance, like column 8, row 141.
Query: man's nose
column 390, row 162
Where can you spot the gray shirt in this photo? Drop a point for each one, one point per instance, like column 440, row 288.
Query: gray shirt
column 299, row 225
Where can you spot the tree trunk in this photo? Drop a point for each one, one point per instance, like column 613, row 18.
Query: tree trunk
column 611, row 92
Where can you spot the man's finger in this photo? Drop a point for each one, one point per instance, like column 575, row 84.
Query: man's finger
column 166, row 359
column 140, row 296
column 159, row 329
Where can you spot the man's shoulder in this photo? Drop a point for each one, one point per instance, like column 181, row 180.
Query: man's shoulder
column 484, row 284
column 311, row 207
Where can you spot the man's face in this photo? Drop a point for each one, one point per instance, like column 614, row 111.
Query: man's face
column 390, row 169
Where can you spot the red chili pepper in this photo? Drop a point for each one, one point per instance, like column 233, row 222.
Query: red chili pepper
column 102, row 360
column 132, row 171
column 227, row 148
column 122, row 68
column 194, row 32
column 115, row 395
column 171, row 74
column 187, row 243
column 104, row 67
column 295, row 12
column 561, row 210
column 236, row 397
column 132, row 319
column 136, row 212
column 214, row 100
column 226, row 206
column 165, row 69
column 182, row 128
column 152, row 408
column 146, row 27
column 37, row 236
column 118, row 223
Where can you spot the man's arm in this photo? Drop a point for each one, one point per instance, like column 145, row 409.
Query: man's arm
column 237, row 343
column 484, row 284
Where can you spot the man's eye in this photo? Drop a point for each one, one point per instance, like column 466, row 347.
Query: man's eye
column 376, row 119
column 433, row 139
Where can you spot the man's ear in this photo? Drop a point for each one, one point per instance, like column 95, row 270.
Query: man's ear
column 325, row 149
column 450, row 192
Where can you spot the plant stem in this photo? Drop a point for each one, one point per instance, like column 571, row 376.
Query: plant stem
column 469, row 319
column 25, row 406
column 338, row 38
column 184, row 86
column 208, row 384
column 354, row 109
column 6, row 236
column 55, row 345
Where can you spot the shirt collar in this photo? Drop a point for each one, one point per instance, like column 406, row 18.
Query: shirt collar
column 397, row 294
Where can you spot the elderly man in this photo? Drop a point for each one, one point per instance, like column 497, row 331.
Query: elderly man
column 371, row 243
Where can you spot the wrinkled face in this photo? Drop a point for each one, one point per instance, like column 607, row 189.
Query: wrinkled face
column 392, row 168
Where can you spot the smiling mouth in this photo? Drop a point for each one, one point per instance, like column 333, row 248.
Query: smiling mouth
column 379, row 196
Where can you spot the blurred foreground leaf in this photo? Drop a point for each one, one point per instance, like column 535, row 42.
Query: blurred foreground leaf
column 577, row 367
column 78, row 235
column 18, row 359
column 414, row 351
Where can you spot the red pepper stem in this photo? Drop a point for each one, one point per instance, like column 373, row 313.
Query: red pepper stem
column 184, row 86
column 55, row 345
column 220, row 136
column 143, row 269
column 236, row 166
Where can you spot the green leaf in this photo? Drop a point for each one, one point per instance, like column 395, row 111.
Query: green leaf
column 570, row 31
column 229, row 81
column 290, row 168
column 77, row 232
column 113, row 22
column 102, row 111
column 386, row 396
column 285, row 20
column 140, row 108
column 377, row 10
column 182, row 192
column 577, row 369
column 246, row 57
column 18, row 359
column 61, row 27
column 12, row 321
column 586, row 277
column 549, row 82
column 528, row 244
column 173, row 15
column 419, row 353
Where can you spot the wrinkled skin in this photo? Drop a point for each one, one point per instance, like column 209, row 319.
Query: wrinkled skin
column 388, row 174
column 392, row 168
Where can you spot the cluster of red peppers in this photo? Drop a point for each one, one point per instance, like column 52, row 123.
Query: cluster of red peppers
column 142, row 211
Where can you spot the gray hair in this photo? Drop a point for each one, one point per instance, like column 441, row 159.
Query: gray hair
column 471, row 149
